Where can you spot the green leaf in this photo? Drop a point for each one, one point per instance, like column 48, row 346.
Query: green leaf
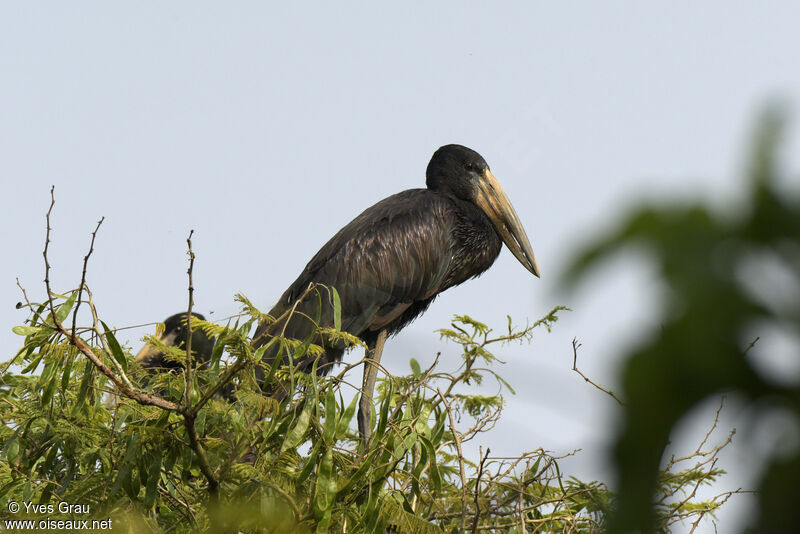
column 67, row 370
column 506, row 384
column 330, row 417
column 50, row 388
column 153, row 477
column 410, row 440
column 357, row 477
column 37, row 315
column 172, row 457
column 131, row 484
column 417, row 471
column 34, row 363
column 324, row 523
column 337, row 309
column 347, row 416
column 124, row 476
column 438, row 428
column 311, row 461
column 416, row 370
column 200, row 422
column 384, row 415
column 296, row 434
column 216, row 354
column 371, row 512
column 47, row 373
column 435, row 477
column 326, row 485
column 12, row 449
column 116, row 350
column 63, row 310
column 88, row 372
column 26, row 330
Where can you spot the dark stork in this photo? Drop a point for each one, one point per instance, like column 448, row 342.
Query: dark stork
column 176, row 334
column 389, row 263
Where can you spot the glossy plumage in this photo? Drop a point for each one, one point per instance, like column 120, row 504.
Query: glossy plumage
column 389, row 263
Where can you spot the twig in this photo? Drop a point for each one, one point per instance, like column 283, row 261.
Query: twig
column 128, row 391
column 716, row 505
column 521, row 500
column 83, row 274
column 189, row 414
column 44, row 253
column 187, row 377
column 186, row 509
column 477, row 492
column 103, row 341
column 25, row 296
column 461, row 470
column 120, row 380
column 197, row 447
column 223, row 381
column 751, row 345
column 575, row 346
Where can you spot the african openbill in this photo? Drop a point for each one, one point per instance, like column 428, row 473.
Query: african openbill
column 389, row 263
column 176, row 334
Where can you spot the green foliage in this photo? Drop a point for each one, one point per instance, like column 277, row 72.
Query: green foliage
column 704, row 259
column 289, row 466
column 83, row 423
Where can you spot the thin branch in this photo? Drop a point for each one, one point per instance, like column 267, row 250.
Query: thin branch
column 461, row 468
column 751, row 345
column 104, row 342
column 221, row 383
column 477, row 492
column 187, row 377
column 575, row 346
column 128, row 391
column 44, row 253
column 521, row 500
column 187, row 412
column 716, row 503
column 197, row 447
column 25, row 296
column 185, row 508
column 120, row 380
column 83, row 274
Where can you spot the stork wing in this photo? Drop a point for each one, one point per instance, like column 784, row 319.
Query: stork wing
column 393, row 255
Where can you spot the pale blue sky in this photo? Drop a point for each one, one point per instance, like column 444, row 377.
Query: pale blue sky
column 266, row 127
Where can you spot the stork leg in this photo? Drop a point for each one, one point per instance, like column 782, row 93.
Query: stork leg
column 373, row 359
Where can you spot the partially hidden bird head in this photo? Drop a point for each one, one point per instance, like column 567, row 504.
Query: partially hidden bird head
column 176, row 334
column 463, row 173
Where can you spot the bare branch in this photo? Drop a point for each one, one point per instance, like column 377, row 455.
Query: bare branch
column 751, row 345
column 187, row 377
column 477, row 492
column 83, row 275
column 197, row 447
column 44, row 253
column 461, row 469
column 28, row 303
column 188, row 413
column 221, row 383
column 125, row 389
column 119, row 379
column 101, row 335
column 575, row 346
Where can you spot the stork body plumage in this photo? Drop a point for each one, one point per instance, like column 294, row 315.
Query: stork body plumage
column 389, row 263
